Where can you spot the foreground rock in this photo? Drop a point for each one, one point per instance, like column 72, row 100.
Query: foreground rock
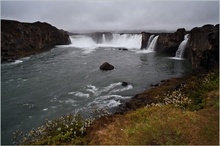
column 106, row 66
column 25, row 39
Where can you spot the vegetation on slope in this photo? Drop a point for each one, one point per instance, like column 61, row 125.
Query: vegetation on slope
column 189, row 114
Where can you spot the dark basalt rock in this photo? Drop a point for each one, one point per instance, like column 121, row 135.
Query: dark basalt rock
column 125, row 84
column 123, row 49
column 144, row 41
column 106, row 66
column 203, row 48
column 136, row 102
column 25, row 39
column 155, row 85
column 169, row 42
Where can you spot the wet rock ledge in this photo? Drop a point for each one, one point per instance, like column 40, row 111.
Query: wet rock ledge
column 24, row 39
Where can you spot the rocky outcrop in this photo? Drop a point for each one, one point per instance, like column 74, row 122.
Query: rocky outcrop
column 24, row 39
column 144, row 41
column 98, row 36
column 106, row 66
column 169, row 42
column 203, row 48
column 125, row 84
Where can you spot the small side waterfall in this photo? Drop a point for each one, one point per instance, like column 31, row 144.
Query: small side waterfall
column 150, row 40
column 103, row 38
column 153, row 44
column 182, row 46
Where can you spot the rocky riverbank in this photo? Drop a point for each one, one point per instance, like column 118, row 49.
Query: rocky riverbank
column 180, row 111
column 24, row 39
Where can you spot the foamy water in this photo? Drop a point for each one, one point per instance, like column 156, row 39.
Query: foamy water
column 128, row 41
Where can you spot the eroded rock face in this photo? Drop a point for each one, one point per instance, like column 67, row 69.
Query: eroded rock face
column 169, row 42
column 203, row 48
column 24, row 39
column 144, row 41
column 106, row 66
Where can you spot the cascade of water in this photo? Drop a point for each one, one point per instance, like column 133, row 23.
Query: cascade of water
column 182, row 46
column 153, row 44
column 126, row 40
column 103, row 38
column 130, row 41
column 150, row 40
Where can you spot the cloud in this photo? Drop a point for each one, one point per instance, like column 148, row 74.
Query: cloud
column 78, row 15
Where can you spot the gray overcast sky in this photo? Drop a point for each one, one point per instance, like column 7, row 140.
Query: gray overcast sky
column 78, row 15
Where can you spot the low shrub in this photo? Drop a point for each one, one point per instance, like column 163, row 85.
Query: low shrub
column 192, row 94
column 68, row 129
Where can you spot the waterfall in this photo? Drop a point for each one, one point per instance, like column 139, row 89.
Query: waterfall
column 150, row 40
column 126, row 40
column 129, row 41
column 103, row 38
column 182, row 46
column 153, row 44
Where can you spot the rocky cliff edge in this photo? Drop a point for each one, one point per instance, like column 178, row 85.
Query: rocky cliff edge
column 25, row 39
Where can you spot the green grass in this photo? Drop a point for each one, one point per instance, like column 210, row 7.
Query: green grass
column 169, row 125
column 159, row 126
column 198, row 88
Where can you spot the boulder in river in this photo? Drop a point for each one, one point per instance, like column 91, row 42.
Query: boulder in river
column 106, row 66
column 125, row 84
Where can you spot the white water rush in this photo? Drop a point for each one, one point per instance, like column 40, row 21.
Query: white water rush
column 129, row 41
column 182, row 46
column 153, row 43
column 103, row 38
column 150, row 40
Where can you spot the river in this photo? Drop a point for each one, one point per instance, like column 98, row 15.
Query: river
column 67, row 79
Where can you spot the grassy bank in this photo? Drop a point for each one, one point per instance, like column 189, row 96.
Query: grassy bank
column 180, row 111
